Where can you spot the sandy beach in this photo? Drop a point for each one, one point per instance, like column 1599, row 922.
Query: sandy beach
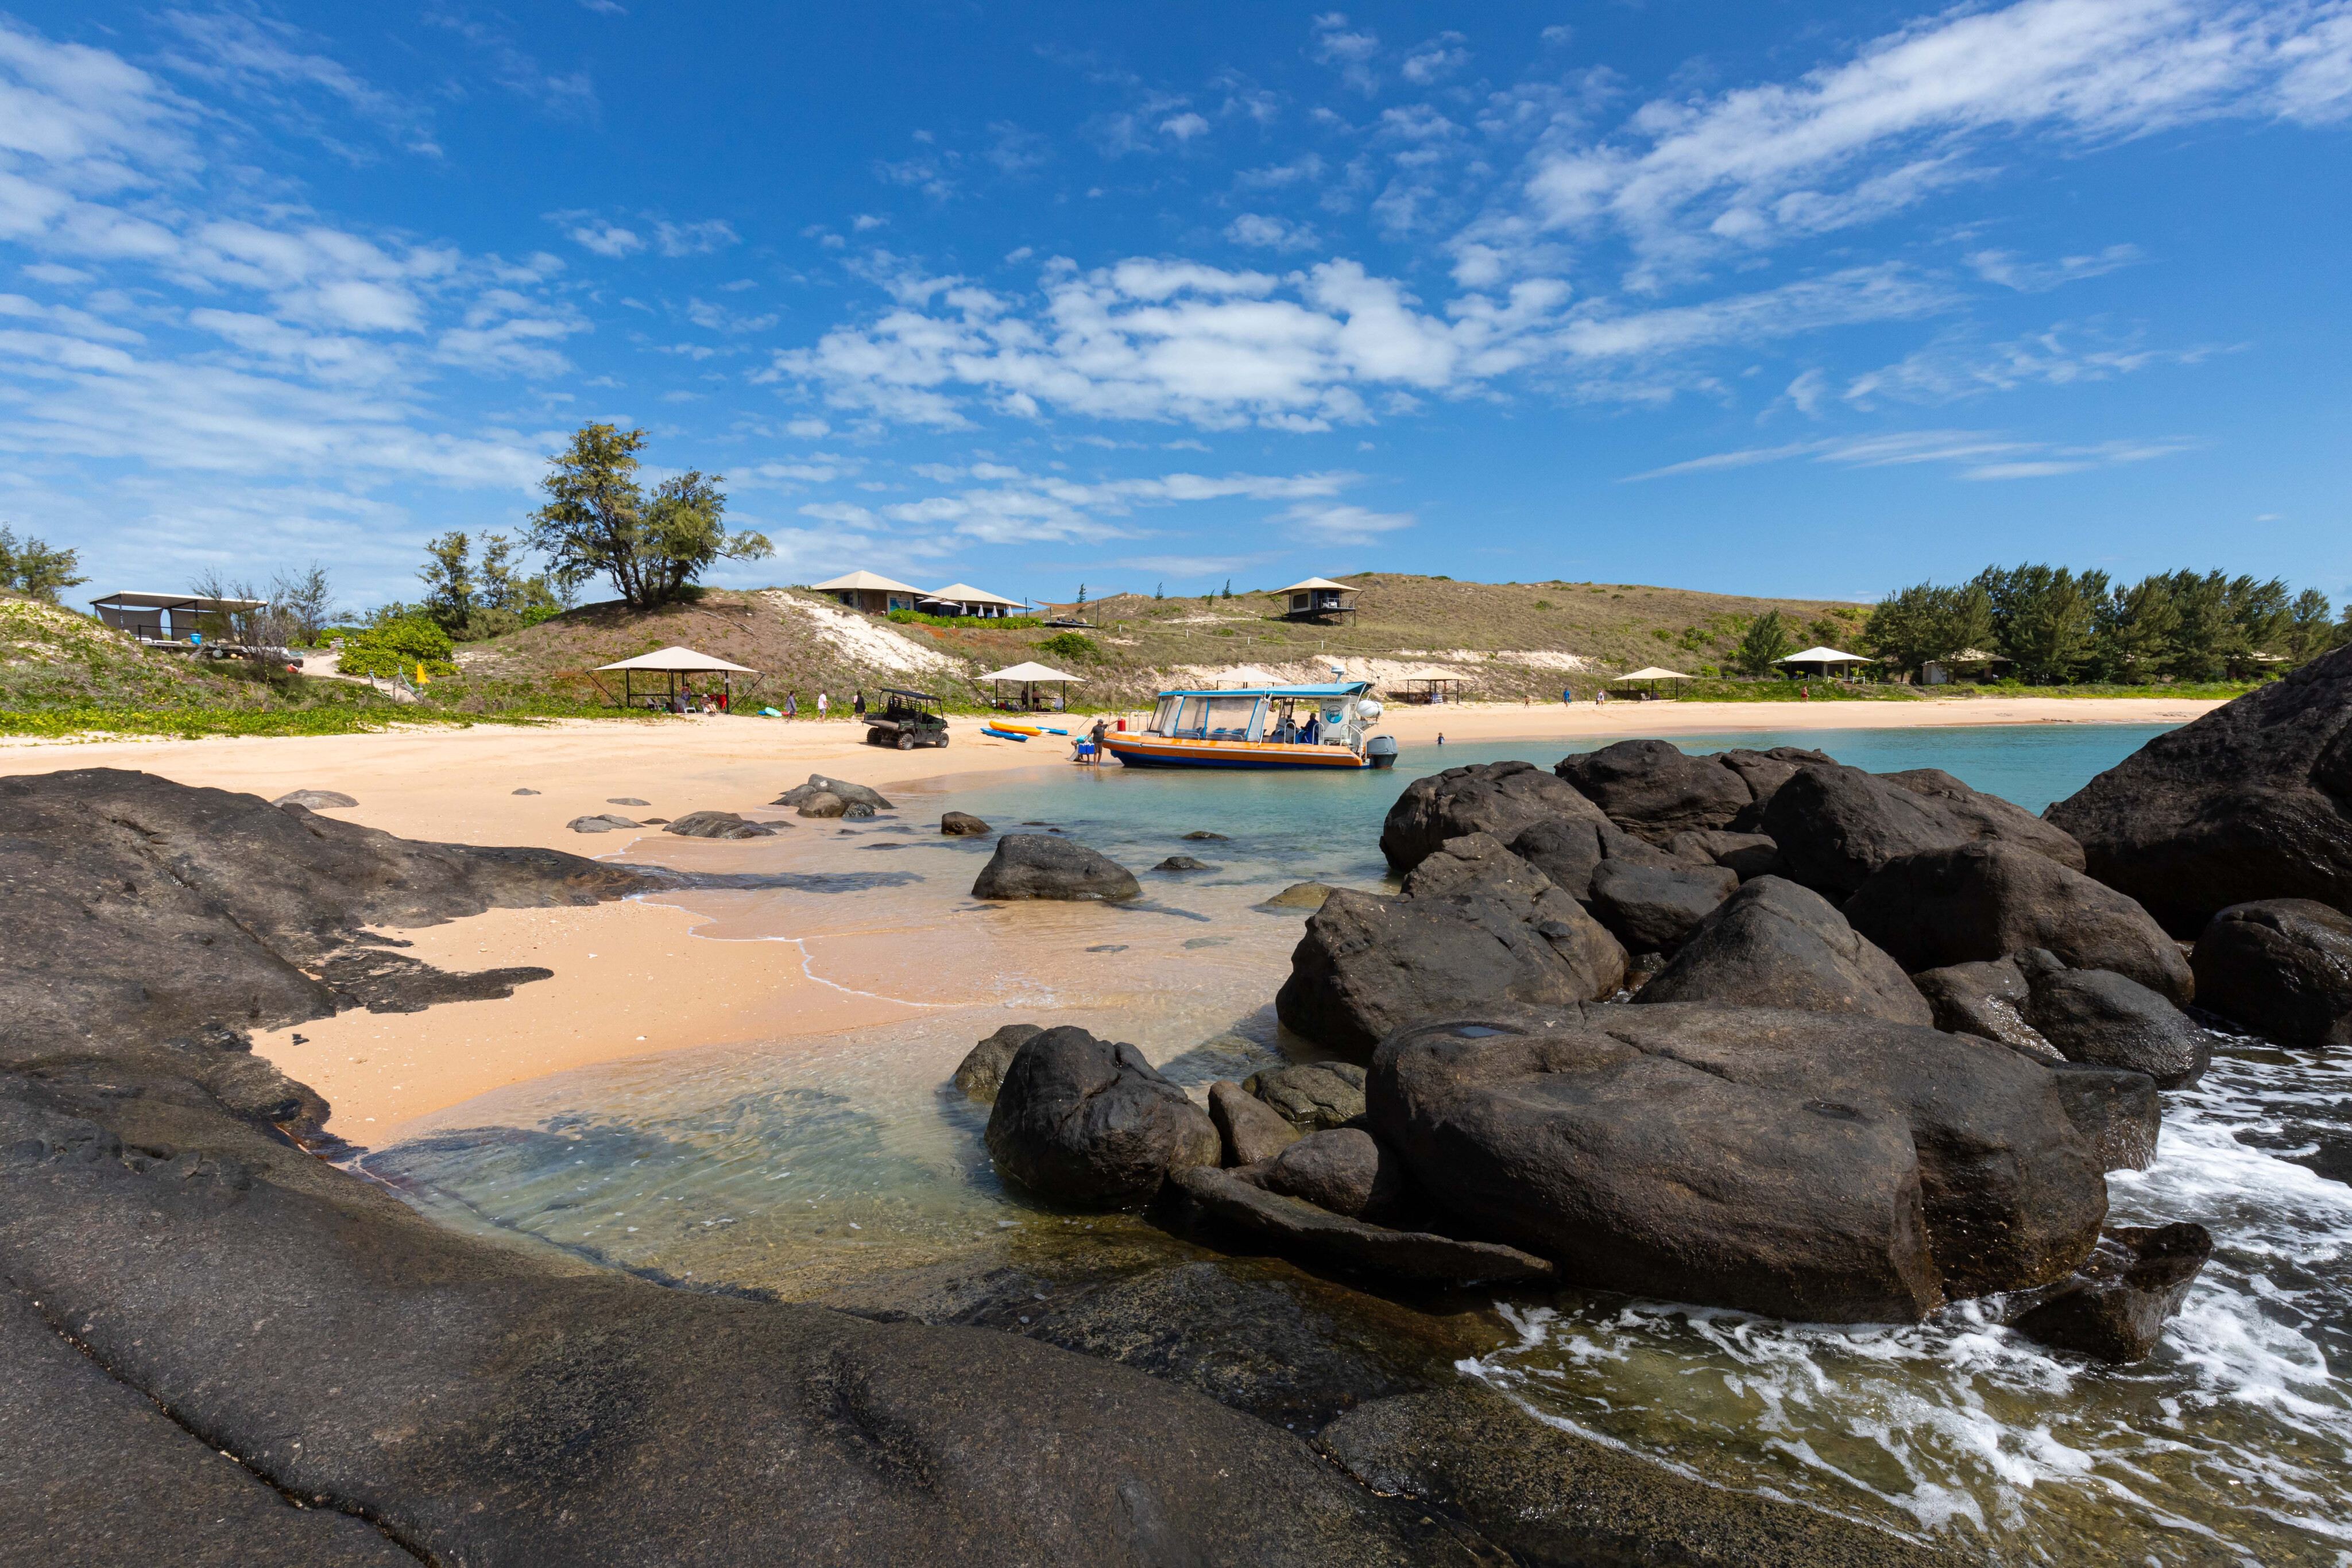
column 632, row 979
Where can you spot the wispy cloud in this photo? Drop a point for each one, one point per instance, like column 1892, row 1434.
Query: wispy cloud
column 1975, row 453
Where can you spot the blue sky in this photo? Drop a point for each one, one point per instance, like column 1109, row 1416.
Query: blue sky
column 1763, row 298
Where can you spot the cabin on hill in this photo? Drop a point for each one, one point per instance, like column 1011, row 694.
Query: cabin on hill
column 873, row 593
column 1318, row 598
column 963, row 599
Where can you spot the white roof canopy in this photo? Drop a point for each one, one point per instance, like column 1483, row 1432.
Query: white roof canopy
column 965, row 593
column 1317, row 583
column 1823, row 656
column 1429, row 673
column 867, row 581
column 1029, row 672
column 178, row 602
column 1654, row 674
column 679, row 661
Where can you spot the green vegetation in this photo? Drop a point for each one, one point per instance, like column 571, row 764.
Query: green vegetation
column 474, row 602
column 399, row 648
column 189, row 723
column 980, row 623
column 1074, row 646
column 599, row 522
column 30, row 567
column 1765, row 641
column 2061, row 628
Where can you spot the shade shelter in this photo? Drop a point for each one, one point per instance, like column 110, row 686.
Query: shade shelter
column 674, row 662
column 1824, row 663
column 1651, row 675
column 1431, row 686
column 873, row 593
column 963, row 599
column 1318, row 598
column 1029, row 677
column 167, row 617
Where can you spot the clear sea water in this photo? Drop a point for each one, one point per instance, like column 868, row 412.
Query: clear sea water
column 802, row 1164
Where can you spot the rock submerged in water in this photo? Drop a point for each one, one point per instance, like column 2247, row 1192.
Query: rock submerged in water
column 840, row 789
column 820, row 803
column 1039, row 866
column 1091, row 1123
column 964, row 825
column 2249, row 803
column 1298, row 1229
column 2114, row 1307
column 2280, row 967
column 1776, row 944
column 717, row 825
column 1301, row 895
column 982, row 1070
column 1980, row 902
column 1183, row 863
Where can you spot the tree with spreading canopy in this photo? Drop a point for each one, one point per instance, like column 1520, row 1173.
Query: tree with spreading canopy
column 33, row 568
column 599, row 521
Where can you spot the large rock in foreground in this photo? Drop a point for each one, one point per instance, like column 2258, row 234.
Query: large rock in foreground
column 1089, row 1122
column 1040, row 865
column 1806, row 1165
column 2280, row 967
column 2106, row 1020
column 2252, row 801
column 1775, row 945
column 1481, row 926
column 1983, row 901
column 1503, row 799
column 1652, row 789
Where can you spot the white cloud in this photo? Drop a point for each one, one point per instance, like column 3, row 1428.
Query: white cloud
column 1978, row 455
column 607, row 238
column 1685, row 180
column 698, row 239
column 1184, row 127
column 1349, row 52
column 1272, row 232
column 2008, row 270
column 1436, row 59
column 1336, row 525
column 1955, row 367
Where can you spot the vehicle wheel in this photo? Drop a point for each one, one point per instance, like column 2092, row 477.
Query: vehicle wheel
column 906, row 743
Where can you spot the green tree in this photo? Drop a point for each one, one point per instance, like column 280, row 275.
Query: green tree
column 1074, row 646
column 2044, row 618
column 1767, row 639
column 448, row 579
column 2309, row 632
column 31, row 567
column 2138, row 631
column 598, row 521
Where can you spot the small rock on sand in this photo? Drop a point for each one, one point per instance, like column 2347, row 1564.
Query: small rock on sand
column 526, row 791
column 822, row 803
column 626, row 800
column 599, row 824
column 314, row 799
column 962, row 825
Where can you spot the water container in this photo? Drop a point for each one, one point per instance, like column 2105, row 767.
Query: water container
column 1382, row 749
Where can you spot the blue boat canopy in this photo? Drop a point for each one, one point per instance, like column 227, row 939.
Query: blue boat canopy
column 1332, row 689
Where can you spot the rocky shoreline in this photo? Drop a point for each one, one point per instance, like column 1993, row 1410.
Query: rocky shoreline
column 221, row 1342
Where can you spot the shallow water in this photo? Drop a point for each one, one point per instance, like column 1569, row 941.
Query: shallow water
column 800, row 1163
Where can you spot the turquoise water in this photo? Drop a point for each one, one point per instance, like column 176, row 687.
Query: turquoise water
column 800, row 1163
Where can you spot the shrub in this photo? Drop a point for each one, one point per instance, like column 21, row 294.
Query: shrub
column 1073, row 646
column 397, row 648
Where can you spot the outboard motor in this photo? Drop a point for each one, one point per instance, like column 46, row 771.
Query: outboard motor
column 1381, row 750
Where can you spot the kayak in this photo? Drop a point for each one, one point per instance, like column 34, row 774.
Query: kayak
column 990, row 730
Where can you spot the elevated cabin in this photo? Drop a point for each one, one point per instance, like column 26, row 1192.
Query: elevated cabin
column 173, row 619
column 963, row 599
column 1318, row 598
column 872, row 593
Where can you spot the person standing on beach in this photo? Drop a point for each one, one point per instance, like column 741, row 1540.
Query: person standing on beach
column 1567, row 697
column 858, row 709
column 791, row 706
column 820, row 705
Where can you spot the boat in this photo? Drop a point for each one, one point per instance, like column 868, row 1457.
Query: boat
column 1308, row 726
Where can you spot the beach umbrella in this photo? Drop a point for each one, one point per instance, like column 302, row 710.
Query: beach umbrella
column 674, row 662
column 1029, row 676
column 1824, row 660
column 1652, row 675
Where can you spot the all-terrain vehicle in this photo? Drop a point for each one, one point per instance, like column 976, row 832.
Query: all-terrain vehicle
column 906, row 720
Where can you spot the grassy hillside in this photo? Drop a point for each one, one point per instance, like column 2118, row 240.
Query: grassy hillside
column 1502, row 640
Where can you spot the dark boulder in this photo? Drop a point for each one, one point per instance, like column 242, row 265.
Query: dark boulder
column 1202, row 835
column 604, row 823
column 1301, row 895
column 1981, row 900
column 1298, row 1229
column 1837, row 825
column 1807, row 1165
column 1650, row 909
column 981, row 1071
column 2251, row 802
column 1503, row 799
column 964, row 825
column 1987, row 999
column 1089, row 1122
column 1651, row 789
column 1250, row 1129
column 2098, row 1016
column 1569, row 851
column 1343, row 1169
column 1478, row 925
column 1312, row 1095
column 2280, row 967
column 840, row 789
column 1764, row 773
column 2118, row 1113
column 1775, row 945
column 717, row 825
column 1040, row 865
column 1987, row 815
column 821, row 804
column 2114, row 1307
column 1555, row 1498
column 1184, row 863
column 1747, row 856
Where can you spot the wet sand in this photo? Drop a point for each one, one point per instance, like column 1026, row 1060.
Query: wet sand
column 648, row 978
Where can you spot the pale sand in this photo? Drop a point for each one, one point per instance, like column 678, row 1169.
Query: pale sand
column 629, row 980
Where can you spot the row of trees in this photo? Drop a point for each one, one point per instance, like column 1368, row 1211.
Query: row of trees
column 2060, row 626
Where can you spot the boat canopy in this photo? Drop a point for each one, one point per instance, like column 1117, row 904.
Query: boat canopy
column 1332, row 689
